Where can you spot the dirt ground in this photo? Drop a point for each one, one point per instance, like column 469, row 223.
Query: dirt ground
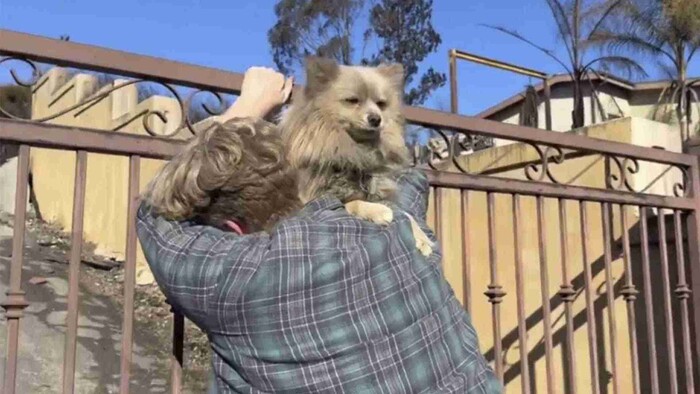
column 45, row 280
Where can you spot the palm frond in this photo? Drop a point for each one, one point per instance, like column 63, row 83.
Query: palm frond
column 646, row 20
column 628, row 67
column 669, row 70
column 629, row 42
column 611, row 7
column 529, row 42
column 692, row 50
column 560, row 15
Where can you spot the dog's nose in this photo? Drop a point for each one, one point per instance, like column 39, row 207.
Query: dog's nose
column 374, row 120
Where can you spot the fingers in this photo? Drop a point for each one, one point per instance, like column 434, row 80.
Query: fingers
column 287, row 89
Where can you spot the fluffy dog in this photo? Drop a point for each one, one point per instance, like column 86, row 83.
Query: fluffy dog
column 345, row 137
column 233, row 176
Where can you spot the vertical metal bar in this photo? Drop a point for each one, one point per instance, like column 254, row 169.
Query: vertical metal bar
column 74, row 272
column 129, row 274
column 547, row 104
column 693, row 226
column 466, row 264
column 544, row 283
column 648, row 302
column 495, row 291
column 454, row 93
column 178, row 350
column 590, row 311
column 629, row 292
column 567, row 294
column 593, row 106
column 609, row 292
column 683, row 293
column 438, row 213
column 520, row 297
column 668, row 316
column 15, row 302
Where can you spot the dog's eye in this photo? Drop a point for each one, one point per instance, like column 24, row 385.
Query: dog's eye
column 381, row 104
column 352, row 100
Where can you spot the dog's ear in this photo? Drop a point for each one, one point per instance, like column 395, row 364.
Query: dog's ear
column 394, row 73
column 319, row 73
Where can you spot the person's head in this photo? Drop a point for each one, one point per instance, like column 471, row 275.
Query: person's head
column 232, row 171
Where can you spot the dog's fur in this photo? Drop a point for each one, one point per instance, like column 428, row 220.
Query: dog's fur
column 233, row 171
column 239, row 170
column 336, row 147
column 330, row 140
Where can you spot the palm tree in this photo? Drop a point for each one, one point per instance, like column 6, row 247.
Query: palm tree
column 667, row 31
column 578, row 22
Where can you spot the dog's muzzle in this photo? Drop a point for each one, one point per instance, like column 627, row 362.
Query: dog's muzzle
column 365, row 136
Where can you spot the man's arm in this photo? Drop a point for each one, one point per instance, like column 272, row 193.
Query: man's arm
column 188, row 260
column 413, row 192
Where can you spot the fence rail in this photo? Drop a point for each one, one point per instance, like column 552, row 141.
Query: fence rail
column 563, row 239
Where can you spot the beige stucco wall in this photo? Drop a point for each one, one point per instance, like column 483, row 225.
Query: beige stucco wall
column 615, row 101
column 107, row 175
column 583, row 171
column 562, row 104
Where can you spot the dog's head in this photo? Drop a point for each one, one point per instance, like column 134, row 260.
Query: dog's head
column 233, row 171
column 347, row 115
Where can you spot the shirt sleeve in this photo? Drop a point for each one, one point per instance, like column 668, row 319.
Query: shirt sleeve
column 189, row 260
column 413, row 192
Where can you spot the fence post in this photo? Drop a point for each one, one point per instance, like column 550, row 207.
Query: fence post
column 16, row 302
column 694, row 256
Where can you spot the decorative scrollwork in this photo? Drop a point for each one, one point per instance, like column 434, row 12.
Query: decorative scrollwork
column 448, row 148
column 146, row 116
column 625, row 168
column 36, row 71
column 439, row 150
column 538, row 171
column 680, row 188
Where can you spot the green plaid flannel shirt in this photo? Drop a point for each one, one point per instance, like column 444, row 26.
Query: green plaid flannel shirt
column 325, row 303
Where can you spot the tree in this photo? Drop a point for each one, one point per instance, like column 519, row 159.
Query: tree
column 578, row 24
column 667, row 31
column 407, row 36
column 313, row 27
column 401, row 30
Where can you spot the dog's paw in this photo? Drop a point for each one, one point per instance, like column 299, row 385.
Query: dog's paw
column 423, row 243
column 375, row 213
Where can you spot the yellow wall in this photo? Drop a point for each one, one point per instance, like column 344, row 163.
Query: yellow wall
column 107, row 175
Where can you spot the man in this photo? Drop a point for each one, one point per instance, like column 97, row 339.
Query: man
column 323, row 303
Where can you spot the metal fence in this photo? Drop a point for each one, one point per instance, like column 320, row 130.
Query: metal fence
column 663, row 350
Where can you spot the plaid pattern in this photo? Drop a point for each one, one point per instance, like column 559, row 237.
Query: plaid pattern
column 324, row 303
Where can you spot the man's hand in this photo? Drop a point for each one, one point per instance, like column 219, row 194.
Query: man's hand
column 263, row 91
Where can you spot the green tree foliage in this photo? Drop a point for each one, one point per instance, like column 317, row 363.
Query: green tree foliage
column 401, row 31
column 665, row 31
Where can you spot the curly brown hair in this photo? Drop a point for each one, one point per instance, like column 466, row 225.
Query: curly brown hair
column 233, row 171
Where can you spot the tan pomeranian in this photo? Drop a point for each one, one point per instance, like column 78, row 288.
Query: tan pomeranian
column 344, row 136
column 233, row 176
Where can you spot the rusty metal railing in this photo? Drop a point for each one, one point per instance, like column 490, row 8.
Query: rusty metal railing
column 582, row 254
column 456, row 54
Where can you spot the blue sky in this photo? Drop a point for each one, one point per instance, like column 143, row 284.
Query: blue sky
column 232, row 35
